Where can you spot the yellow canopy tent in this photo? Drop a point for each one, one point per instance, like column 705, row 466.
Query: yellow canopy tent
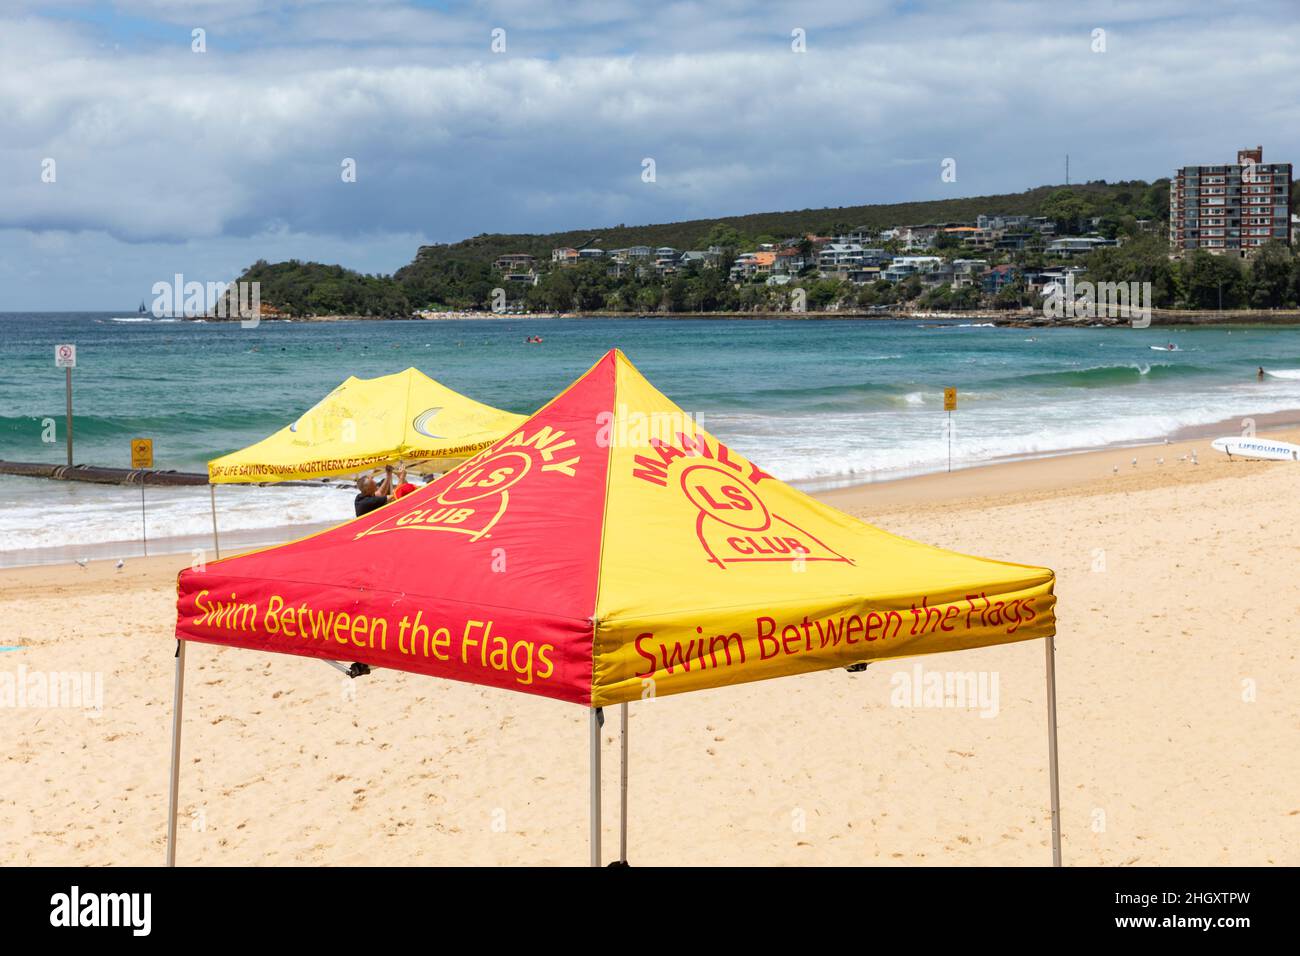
column 362, row 424
column 367, row 422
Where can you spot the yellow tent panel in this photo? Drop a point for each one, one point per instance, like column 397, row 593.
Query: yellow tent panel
column 366, row 423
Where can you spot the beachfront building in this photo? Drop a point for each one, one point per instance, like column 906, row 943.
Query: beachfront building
column 1230, row 209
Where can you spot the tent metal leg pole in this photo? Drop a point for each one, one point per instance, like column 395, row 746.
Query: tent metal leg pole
column 622, row 784
column 595, row 720
column 216, row 541
column 1053, row 771
column 174, row 790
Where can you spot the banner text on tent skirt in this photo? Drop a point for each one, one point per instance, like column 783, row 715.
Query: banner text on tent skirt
column 472, row 644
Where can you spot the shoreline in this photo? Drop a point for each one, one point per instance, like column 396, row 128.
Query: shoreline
column 1008, row 318
column 1056, row 470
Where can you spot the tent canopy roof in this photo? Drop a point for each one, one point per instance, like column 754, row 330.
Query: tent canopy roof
column 369, row 422
column 604, row 550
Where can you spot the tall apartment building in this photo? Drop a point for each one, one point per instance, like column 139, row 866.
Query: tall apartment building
column 1233, row 208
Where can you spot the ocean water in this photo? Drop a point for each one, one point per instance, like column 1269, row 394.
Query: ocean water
column 815, row 402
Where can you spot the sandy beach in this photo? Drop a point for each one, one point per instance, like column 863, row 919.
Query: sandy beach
column 1176, row 669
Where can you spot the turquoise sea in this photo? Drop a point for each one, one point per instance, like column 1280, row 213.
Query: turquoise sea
column 817, row 402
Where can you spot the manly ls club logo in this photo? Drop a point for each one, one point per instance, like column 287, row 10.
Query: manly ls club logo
column 734, row 525
column 470, row 500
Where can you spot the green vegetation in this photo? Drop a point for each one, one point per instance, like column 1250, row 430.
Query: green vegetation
column 1269, row 279
column 309, row 288
column 463, row 276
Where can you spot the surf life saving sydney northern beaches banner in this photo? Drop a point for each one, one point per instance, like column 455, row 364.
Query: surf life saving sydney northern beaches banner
column 609, row 549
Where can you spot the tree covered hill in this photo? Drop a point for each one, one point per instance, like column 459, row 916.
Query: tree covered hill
column 461, row 274
column 1139, row 199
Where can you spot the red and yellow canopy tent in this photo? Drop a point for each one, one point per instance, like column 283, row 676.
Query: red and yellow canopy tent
column 605, row 551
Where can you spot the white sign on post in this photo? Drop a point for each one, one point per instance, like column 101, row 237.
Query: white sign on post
column 65, row 356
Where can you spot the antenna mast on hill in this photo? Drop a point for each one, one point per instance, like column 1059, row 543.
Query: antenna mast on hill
column 1067, row 169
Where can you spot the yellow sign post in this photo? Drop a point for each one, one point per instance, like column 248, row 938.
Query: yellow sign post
column 950, row 406
column 142, row 457
column 141, row 452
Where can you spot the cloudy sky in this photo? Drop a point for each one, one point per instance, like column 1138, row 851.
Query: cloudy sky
column 167, row 158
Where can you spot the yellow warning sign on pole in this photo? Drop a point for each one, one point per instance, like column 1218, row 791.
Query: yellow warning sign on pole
column 141, row 452
column 950, row 399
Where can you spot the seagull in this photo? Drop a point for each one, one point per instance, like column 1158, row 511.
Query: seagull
column 82, row 562
column 1115, row 469
column 1160, row 461
column 120, row 564
column 1194, row 461
column 1135, row 462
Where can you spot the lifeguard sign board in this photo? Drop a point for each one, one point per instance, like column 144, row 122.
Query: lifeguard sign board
column 65, row 356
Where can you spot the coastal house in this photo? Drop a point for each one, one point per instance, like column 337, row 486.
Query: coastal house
column 860, row 235
column 966, row 271
column 666, row 260
column 1016, row 241
column 993, row 280
column 752, row 265
column 1002, row 223
column 564, row 256
column 695, row 259
column 863, row 275
column 917, row 237
column 903, row 266
column 1053, row 281
column 839, row 257
column 790, row 261
column 960, row 233
column 515, row 262
column 1077, row 245
column 591, row 253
